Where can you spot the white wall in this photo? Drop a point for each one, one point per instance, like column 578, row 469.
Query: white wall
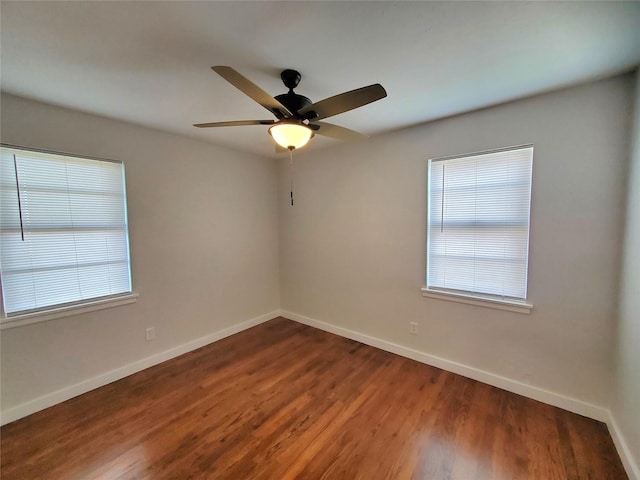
column 353, row 246
column 204, row 249
column 626, row 402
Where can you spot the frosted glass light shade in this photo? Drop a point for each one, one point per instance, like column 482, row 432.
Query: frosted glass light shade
column 291, row 135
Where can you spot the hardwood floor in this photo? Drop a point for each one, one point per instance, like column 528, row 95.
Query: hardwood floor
column 285, row 401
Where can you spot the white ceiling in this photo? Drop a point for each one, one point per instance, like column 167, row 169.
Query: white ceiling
column 148, row 62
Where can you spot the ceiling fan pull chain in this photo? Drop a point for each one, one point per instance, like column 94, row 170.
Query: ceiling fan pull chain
column 291, row 174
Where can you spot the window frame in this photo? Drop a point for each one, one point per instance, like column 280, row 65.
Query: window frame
column 59, row 310
column 468, row 297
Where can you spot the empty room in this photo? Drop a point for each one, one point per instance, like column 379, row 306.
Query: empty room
column 320, row 240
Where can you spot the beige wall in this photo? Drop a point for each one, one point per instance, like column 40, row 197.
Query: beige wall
column 626, row 402
column 353, row 246
column 204, row 249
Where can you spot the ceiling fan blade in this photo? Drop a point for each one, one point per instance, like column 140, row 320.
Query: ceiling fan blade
column 343, row 102
column 250, row 89
column 236, row 123
column 340, row 133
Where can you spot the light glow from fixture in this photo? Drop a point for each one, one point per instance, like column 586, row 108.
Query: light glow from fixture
column 291, row 135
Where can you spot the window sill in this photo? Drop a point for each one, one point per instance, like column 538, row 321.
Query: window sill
column 509, row 305
column 67, row 311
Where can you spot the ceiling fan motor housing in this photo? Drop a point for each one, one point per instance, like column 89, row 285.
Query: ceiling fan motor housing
column 291, row 100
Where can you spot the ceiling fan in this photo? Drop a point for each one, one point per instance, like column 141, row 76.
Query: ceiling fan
column 297, row 118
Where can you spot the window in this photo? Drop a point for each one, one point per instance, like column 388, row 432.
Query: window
column 478, row 224
column 63, row 230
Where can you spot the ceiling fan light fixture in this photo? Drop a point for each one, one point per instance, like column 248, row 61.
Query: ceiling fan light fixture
column 291, row 135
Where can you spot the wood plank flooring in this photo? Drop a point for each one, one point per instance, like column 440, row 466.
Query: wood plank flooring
column 286, row 401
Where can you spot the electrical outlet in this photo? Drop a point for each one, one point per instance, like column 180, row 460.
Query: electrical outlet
column 413, row 328
column 150, row 334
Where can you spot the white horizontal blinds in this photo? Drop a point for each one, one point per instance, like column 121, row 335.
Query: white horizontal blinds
column 478, row 229
column 74, row 226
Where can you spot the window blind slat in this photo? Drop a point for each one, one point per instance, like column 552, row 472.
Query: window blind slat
column 478, row 223
column 74, row 225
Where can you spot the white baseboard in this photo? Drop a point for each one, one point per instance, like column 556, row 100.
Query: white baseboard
column 630, row 464
column 545, row 396
column 542, row 395
column 40, row 403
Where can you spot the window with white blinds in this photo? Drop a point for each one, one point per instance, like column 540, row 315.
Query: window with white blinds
column 478, row 223
column 63, row 230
